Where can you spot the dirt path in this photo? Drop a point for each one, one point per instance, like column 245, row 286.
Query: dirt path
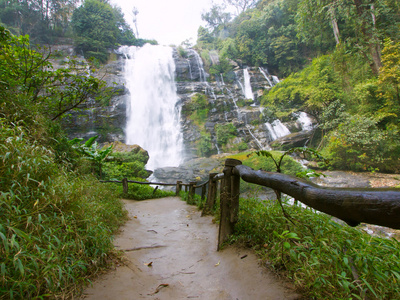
column 171, row 254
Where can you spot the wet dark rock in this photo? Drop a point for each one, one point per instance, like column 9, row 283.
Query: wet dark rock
column 194, row 170
column 297, row 139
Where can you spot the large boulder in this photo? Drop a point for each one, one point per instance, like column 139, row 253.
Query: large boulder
column 297, row 139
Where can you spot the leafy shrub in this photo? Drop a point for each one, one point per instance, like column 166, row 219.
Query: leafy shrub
column 225, row 132
column 55, row 227
column 126, row 165
column 203, row 145
column 323, row 259
column 196, row 200
column 358, row 144
column 143, row 191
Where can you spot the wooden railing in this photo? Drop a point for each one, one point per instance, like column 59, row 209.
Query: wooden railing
column 379, row 206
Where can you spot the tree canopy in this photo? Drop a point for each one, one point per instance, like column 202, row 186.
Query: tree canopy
column 338, row 61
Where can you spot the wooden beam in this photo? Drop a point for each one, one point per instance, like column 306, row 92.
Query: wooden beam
column 379, row 206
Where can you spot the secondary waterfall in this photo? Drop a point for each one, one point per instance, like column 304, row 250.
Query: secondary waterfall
column 277, row 129
column 248, row 93
column 152, row 111
column 305, row 121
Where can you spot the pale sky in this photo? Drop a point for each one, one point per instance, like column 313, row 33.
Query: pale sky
column 167, row 21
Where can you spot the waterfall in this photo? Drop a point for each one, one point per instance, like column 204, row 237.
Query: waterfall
column 248, row 93
column 277, row 129
column 190, row 68
column 265, row 76
column 305, row 121
column 199, row 62
column 152, row 111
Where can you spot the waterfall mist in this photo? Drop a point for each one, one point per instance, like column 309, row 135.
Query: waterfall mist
column 153, row 116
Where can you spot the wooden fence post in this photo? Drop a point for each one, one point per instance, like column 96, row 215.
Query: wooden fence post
column 186, row 188
column 212, row 194
column 125, row 185
column 203, row 192
column 229, row 201
column 191, row 191
column 178, row 187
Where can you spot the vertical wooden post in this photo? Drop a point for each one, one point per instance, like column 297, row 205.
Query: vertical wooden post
column 191, row 191
column 203, row 192
column 125, row 185
column 229, row 201
column 178, row 187
column 212, row 194
column 186, row 188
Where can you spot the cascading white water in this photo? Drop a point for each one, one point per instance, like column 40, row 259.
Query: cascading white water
column 153, row 116
column 248, row 93
column 199, row 62
column 277, row 129
column 265, row 76
column 305, row 121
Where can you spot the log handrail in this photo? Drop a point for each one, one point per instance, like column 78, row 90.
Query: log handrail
column 379, row 206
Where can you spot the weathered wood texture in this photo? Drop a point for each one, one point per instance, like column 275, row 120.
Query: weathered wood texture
column 212, row 194
column 379, row 206
column 178, row 187
column 229, row 201
column 192, row 190
column 125, row 185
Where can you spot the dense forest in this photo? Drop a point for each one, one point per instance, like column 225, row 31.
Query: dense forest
column 95, row 26
column 340, row 64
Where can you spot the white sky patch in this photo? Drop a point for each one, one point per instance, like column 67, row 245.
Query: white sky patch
column 167, row 21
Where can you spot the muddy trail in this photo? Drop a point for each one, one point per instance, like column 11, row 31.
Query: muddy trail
column 170, row 253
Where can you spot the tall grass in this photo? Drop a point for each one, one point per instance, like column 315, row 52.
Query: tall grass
column 324, row 259
column 56, row 227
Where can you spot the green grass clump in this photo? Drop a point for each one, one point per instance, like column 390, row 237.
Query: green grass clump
column 143, row 191
column 323, row 259
column 196, row 200
column 56, row 227
column 289, row 165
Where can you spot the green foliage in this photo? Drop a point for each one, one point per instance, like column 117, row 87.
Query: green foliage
column 182, row 52
column 197, row 109
column 389, row 80
column 264, row 162
column 359, row 144
column 196, row 200
column 323, row 259
column 143, row 191
column 203, row 145
column 55, row 227
column 225, row 68
column 91, row 151
column 125, row 165
column 99, row 27
column 28, row 77
column 44, row 21
column 311, row 90
column 278, row 161
column 225, row 132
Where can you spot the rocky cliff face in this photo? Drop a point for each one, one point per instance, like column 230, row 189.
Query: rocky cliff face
column 226, row 104
column 108, row 122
